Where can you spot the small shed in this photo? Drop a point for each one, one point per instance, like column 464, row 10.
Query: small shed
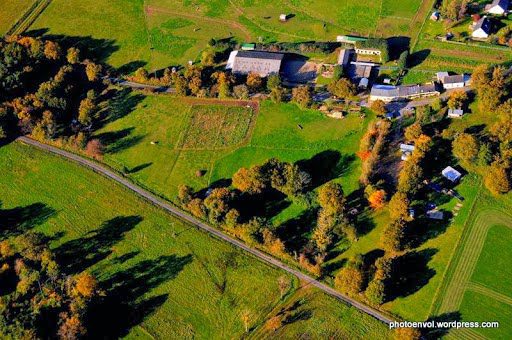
column 451, row 174
column 406, row 150
column 455, row 113
column 435, row 214
column 248, row 47
column 434, row 16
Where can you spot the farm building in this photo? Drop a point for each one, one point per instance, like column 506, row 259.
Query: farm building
column 406, row 150
column 435, row 16
column 451, row 174
column 455, row 113
column 497, row 7
column 248, row 47
column 388, row 93
column 482, row 28
column 261, row 62
column 454, row 82
column 345, row 56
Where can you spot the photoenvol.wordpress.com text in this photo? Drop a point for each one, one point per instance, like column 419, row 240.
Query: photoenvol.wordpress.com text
column 444, row 324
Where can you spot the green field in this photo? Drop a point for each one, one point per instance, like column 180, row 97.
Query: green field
column 11, row 11
column 181, row 282
column 168, row 32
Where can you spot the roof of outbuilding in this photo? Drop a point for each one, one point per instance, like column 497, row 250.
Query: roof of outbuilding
column 501, row 3
column 260, row 55
column 457, row 78
column 484, row 24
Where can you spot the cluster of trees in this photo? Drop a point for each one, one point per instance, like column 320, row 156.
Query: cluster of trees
column 490, row 151
column 47, row 91
column 370, row 149
column 332, row 221
column 38, row 301
column 221, row 205
column 201, row 80
column 454, row 10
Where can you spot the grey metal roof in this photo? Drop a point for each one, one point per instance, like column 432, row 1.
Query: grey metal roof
column 384, row 91
column 260, row 55
column 458, row 78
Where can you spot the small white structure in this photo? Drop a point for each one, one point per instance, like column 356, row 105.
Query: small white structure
column 406, row 150
column 455, row 113
column 363, row 83
column 283, row 17
column 434, row 16
column 456, row 81
column 231, row 60
column 497, row 7
column 435, row 214
column 482, row 28
column 451, row 174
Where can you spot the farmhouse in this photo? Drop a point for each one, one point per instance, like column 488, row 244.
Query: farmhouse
column 497, row 7
column 451, row 174
column 388, row 93
column 454, row 81
column 261, row 62
column 482, row 28
column 455, row 113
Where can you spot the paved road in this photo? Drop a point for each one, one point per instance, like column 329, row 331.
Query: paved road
column 199, row 224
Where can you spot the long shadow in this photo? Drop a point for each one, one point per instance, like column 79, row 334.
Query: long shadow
column 116, row 141
column 422, row 229
column 325, row 166
column 131, row 67
column 409, row 273
column 18, row 220
column 397, row 45
column 417, row 58
column 120, row 103
column 126, row 305
column 91, row 48
column 267, row 204
column 79, row 254
column 294, row 231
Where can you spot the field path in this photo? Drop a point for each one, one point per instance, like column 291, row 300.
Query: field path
column 96, row 167
column 235, row 25
column 467, row 257
column 481, row 289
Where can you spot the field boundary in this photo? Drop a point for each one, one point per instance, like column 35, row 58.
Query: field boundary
column 29, row 17
column 159, row 202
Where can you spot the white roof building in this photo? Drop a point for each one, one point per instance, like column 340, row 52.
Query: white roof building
column 455, row 113
column 482, row 29
column 497, row 7
column 451, row 174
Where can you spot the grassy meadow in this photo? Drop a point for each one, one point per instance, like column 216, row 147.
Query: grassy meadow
column 11, row 11
column 180, row 282
column 160, row 33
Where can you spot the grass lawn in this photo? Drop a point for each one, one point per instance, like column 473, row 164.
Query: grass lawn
column 183, row 283
column 493, row 266
column 11, row 11
column 169, row 32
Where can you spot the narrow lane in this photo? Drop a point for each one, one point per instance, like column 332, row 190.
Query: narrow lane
column 203, row 226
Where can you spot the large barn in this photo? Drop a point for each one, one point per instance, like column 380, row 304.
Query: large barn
column 261, row 62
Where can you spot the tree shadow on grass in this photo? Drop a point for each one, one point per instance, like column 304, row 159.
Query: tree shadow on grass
column 91, row 48
column 116, row 141
column 325, row 166
column 294, row 232
column 79, row 254
column 126, row 304
column 409, row 273
column 423, row 229
column 131, row 67
column 120, row 103
column 18, row 220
